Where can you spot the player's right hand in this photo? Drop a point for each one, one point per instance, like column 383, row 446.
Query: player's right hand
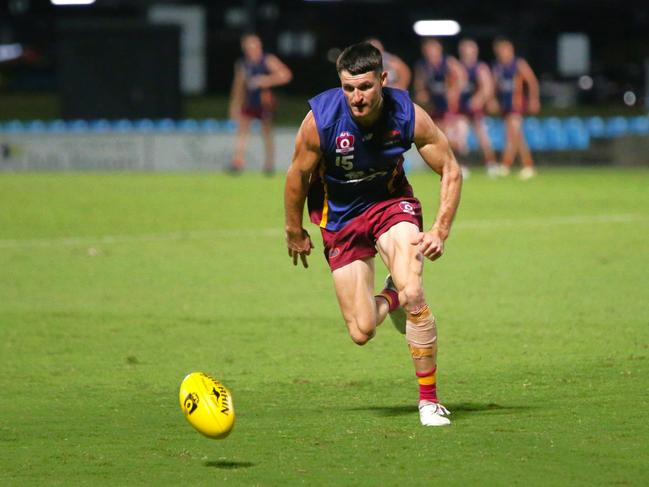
column 299, row 245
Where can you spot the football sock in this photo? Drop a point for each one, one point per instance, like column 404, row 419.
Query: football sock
column 391, row 296
column 427, row 385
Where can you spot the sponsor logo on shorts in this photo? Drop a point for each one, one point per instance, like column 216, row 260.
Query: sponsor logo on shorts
column 333, row 253
column 407, row 207
column 345, row 143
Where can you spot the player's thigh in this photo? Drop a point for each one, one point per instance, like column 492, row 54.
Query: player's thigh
column 354, row 285
column 403, row 259
column 513, row 124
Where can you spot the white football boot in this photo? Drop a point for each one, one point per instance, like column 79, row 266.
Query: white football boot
column 493, row 170
column 526, row 173
column 433, row 414
column 398, row 316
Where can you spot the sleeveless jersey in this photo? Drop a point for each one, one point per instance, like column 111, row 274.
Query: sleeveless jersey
column 509, row 86
column 360, row 166
column 435, row 76
column 470, row 87
column 253, row 97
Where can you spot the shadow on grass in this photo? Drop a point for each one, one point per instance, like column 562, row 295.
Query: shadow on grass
column 228, row 464
column 457, row 409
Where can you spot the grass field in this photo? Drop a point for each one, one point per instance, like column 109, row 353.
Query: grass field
column 114, row 286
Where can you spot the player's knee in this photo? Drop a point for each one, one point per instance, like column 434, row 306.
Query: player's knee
column 360, row 331
column 412, row 297
column 360, row 338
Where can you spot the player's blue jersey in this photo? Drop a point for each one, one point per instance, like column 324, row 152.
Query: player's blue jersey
column 360, row 166
column 435, row 78
column 470, row 87
column 507, row 85
column 253, row 97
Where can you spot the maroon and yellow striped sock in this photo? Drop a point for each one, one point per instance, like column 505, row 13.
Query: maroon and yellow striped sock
column 427, row 385
column 391, row 297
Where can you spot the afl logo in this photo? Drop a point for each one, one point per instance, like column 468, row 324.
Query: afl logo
column 345, row 143
column 335, row 252
column 407, row 207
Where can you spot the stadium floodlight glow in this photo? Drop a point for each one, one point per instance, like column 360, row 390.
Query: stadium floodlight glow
column 9, row 52
column 71, row 2
column 434, row 28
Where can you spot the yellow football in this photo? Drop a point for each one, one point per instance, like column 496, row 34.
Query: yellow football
column 207, row 405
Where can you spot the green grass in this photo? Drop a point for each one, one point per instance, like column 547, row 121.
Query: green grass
column 114, row 286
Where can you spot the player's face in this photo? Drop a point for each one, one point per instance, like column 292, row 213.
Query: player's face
column 432, row 51
column 468, row 52
column 251, row 47
column 504, row 52
column 364, row 94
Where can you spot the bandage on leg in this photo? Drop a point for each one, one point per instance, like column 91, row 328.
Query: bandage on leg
column 421, row 333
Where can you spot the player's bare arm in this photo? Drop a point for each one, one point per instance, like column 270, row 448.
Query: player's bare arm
column 455, row 83
column 305, row 161
column 532, row 82
column 421, row 93
column 237, row 91
column 279, row 75
column 485, row 90
column 436, row 152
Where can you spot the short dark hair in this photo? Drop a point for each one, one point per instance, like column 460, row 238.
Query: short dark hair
column 360, row 58
column 500, row 39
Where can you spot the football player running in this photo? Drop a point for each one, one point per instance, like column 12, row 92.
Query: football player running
column 348, row 164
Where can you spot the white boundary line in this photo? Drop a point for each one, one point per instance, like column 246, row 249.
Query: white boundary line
column 277, row 232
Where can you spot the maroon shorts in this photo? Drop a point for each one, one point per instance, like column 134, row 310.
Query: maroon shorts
column 258, row 112
column 263, row 109
column 357, row 239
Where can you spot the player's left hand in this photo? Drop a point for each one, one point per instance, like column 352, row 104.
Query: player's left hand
column 299, row 245
column 430, row 243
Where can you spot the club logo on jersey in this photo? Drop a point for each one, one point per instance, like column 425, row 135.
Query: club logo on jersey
column 335, row 252
column 391, row 137
column 345, row 143
column 407, row 207
column 345, row 151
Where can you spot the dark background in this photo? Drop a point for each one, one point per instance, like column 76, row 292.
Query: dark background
column 618, row 33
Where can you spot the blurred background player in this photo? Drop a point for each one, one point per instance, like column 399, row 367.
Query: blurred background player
column 477, row 91
column 399, row 74
column 438, row 82
column 251, row 98
column 517, row 93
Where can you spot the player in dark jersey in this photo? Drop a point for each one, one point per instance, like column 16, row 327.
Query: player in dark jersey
column 254, row 76
column 477, row 91
column 348, row 161
column 517, row 93
column 438, row 83
column 399, row 74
